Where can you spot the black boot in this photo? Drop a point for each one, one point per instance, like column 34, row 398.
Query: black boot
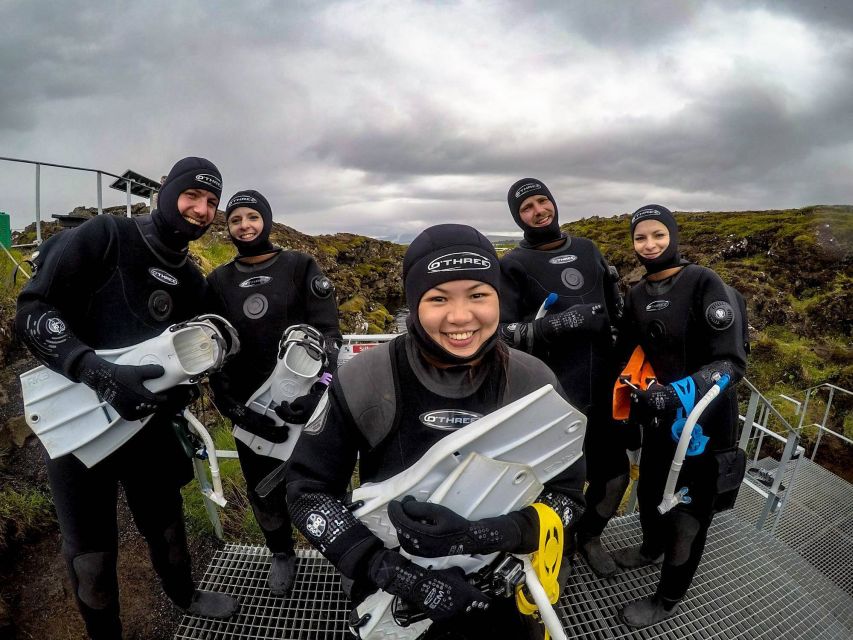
column 282, row 573
column 647, row 611
column 597, row 558
column 633, row 558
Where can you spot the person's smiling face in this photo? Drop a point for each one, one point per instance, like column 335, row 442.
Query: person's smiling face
column 651, row 238
column 245, row 224
column 460, row 315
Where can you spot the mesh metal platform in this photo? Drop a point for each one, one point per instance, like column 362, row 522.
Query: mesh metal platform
column 817, row 523
column 748, row 586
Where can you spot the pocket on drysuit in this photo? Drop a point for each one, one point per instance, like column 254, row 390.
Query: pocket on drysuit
column 730, row 465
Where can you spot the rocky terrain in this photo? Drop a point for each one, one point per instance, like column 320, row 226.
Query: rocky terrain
column 794, row 267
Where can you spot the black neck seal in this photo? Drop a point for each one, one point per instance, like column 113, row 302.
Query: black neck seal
column 517, row 194
column 441, row 254
column 260, row 244
column 189, row 173
column 670, row 257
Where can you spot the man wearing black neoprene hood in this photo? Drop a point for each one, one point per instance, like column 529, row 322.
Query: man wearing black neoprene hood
column 115, row 282
column 573, row 337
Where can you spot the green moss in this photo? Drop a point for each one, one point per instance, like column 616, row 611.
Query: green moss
column 356, row 304
column 24, row 513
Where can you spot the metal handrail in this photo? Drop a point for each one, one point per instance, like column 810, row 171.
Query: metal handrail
column 100, row 172
column 759, row 410
column 810, row 393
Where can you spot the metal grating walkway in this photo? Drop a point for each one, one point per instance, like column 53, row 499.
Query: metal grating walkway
column 748, row 586
column 817, row 523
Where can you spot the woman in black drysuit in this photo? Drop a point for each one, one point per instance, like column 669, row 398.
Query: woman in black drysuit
column 689, row 324
column 262, row 292
column 382, row 408
column 115, row 282
column 574, row 339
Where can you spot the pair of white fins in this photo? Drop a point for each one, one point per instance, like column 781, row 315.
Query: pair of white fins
column 69, row 417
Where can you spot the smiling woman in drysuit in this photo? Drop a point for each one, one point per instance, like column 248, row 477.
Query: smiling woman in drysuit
column 262, row 292
column 449, row 360
column 690, row 325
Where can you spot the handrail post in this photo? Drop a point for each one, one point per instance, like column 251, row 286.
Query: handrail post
column 805, row 408
column 128, row 199
column 823, row 422
column 38, row 204
column 100, row 196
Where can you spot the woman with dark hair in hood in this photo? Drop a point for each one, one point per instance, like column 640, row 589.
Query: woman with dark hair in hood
column 262, row 292
column 376, row 411
column 690, row 326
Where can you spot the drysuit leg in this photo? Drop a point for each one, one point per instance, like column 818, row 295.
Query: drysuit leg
column 685, row 544
column 271, row 511
column 85, row 501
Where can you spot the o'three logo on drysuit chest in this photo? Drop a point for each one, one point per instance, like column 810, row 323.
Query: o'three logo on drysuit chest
column 448, row 419
column 657, row 305
column 254, row 281
column 563, row 259
column 163, row 276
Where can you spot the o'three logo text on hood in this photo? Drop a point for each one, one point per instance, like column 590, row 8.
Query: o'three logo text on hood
column 254, row 281
column 163, row 276
column 209, row 179
column 527, row 187
column 459, row 261
column 657, row 305
column 241, row 199
column 563, row 259
column 642, row 214
column 448, row 419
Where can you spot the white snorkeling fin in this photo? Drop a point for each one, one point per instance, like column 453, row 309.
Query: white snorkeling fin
column 490, row 467
column 301, row 357
column 540, row 430
column 69, row 417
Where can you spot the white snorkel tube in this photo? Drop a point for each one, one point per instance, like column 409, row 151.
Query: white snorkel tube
column 671, row 498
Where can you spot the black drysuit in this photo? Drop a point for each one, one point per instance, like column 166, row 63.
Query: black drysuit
column 583, row 361
column 111, row 283
column 261, row 301
column 378, row 412
column 688, row 325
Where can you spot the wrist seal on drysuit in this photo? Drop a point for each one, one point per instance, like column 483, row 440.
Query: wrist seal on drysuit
column 433, row 531
column 441, row 594
column 329, row 526
column 587, row 318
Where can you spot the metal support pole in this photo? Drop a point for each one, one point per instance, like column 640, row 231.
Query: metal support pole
column 823, row 422
column 38, row 204
column 805, row 409
column 748, row 421
column 128, row 199
column 100, row 196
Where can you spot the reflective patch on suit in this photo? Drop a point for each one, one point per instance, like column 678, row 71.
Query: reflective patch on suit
column 720, row 315
column 321, row 287
column 255, row 306
column 55, row 326
column 572, row 278
column 160, row 305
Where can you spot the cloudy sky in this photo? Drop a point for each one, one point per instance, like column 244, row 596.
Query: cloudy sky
column 384, row 117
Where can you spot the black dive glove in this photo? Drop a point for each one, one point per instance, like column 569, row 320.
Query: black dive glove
column 590, row 318
column 299, row 410
column 240, row 414
column 434, row 531
column 120, row 386
column 440, row 594
column 658, row 399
